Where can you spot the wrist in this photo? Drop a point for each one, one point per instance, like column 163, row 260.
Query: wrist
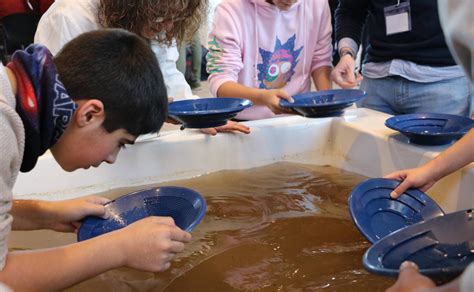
column 436, row 168
column 346, row 52
column 46, row 214
column 260, row 95
column 119, row 245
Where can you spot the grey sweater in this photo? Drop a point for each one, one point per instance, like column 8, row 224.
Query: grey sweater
column 12, row 144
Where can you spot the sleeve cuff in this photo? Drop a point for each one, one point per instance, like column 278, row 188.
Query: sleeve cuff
column 347, row 43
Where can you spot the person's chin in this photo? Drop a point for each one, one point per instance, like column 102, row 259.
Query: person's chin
column 69, row 168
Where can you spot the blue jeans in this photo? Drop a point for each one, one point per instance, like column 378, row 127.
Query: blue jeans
column 396, row 95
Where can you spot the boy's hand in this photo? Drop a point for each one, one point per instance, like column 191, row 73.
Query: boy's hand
column 410, row 280
column 151, row 243
column 271, row 98
column 422, row 177
column 231, row 126
column 64, row 216
column 343, row 74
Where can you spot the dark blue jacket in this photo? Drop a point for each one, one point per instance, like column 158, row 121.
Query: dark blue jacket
column 424, row 44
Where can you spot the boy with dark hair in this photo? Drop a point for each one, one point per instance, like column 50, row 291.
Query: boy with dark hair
column 100, row 92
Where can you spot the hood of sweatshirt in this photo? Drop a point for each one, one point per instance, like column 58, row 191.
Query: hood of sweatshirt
column 264, row 9
column 270, row 9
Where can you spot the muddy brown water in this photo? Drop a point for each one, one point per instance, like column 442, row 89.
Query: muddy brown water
column 282, row 227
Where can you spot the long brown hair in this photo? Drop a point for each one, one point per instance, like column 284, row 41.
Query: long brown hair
column 164, row 20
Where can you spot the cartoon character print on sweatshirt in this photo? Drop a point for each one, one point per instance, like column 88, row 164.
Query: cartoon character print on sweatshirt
column 278, row 67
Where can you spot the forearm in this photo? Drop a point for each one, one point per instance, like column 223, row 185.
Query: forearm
column 234, row 89
column 58, row 268
column 322, row 78
column 29, row 214
column 455, row 157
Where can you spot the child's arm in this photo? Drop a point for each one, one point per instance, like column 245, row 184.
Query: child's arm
column 63, row 216
column 268, row 97
column 149, row 245
column 350, row 17
column 452, row 159
column 322, row 78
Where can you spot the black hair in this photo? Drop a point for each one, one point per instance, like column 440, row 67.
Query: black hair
column 119, row 69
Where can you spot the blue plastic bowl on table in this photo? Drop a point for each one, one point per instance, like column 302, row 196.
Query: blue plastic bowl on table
column 442, row 247
column 185, row 206
column 324, row 103
column 430, row 128
column 207, row 112
column 377, row 215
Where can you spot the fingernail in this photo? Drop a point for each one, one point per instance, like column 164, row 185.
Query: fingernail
column 408, row 264
column 393, row 195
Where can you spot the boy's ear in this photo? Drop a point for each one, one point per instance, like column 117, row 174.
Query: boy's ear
column 89, row 112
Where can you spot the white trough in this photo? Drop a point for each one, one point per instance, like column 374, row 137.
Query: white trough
column 358, row 142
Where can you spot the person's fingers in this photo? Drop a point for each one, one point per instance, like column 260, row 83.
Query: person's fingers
column 166, row 266
column 284, row 95
column 407, row 266
column 233, row 126
column 76, row 225
column 397, row 175
column 209, row 131
column 177, row 246
column 97, row 200
column 340, row 80
column 169, row 221
column 359, row 78
column 400, row 189
column 277, row 110
column 170, row 99
column 242, row 128
column 180, row 235
column 94, row 210
column 351, row 77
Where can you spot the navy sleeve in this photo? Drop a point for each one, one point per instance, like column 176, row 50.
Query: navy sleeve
column 350, row 18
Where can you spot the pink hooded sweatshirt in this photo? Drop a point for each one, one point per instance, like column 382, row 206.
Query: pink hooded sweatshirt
column 255, row 44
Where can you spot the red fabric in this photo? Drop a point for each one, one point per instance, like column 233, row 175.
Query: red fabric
column 41, row 6
column 8, row 7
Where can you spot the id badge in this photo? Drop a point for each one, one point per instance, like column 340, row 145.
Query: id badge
column 398, row 18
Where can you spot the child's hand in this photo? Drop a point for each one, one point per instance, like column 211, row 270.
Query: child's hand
column 151, row 243
column 271, row 98
column 64, row 216
column 343, row 74
column 410, row 279
column 422, row 177
column 231, row 126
